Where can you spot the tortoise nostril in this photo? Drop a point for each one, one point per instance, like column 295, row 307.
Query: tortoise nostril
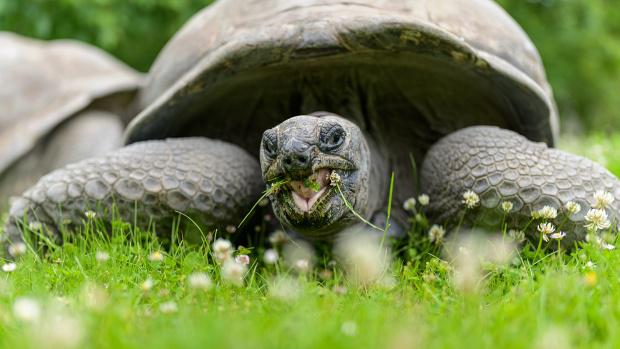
column 296, row 162
column 302, row 159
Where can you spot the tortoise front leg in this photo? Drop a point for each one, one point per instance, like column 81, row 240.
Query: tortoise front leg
column 147, row 182
column 503, row 166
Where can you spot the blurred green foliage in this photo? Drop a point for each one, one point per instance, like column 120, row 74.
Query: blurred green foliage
column 133, row 30
column 579, row 40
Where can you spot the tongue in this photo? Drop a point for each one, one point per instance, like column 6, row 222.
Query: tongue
column 320, row 178
column 306, row 197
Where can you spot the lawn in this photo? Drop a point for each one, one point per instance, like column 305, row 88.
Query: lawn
column 114, row 292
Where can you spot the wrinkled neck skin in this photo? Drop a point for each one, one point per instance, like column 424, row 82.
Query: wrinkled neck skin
column 379, row 178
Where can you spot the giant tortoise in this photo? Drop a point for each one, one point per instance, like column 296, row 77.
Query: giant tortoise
column 60, row 102
column 328, row 95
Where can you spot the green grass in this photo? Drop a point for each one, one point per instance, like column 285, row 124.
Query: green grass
column 534, row 301
column 600, row 147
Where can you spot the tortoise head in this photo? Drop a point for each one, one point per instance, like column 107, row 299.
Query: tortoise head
column 322, row 158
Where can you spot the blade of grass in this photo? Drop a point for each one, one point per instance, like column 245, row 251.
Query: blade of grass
column 414, row 174
column 389, row 210
column 266, row 193
column 350, row 207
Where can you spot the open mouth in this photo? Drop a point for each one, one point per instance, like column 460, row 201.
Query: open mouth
column 307, row 192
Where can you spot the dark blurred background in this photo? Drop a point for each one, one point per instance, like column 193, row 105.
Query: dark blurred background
column 579, row 41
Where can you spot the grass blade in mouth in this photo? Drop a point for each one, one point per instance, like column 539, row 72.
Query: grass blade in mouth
column 275, row 185
column 350, row 207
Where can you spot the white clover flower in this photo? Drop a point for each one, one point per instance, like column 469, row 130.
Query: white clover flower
column 516, row 235
column 199, row 280
column 590, row 265
column 17, row 249
column 285, row 288
column 90, row 214
column 26, row 309
column 299, row 255
column 507, row 206
column 607, row 246
column 35, row 226
column 270, row 256
column 168, row 307
column 233, row 272
column 231, row 229
column 302, row 265
column 102, row 256
column 243, row 259
column 147, row 285
column 409, row 205
column 278, row 238
column 340, row 290
column 553, row 337
column 470, row 199
column 469, row 253
column 424, row 199
column 222, row 249
column 156, row 256
column 58, row 330
column 602, row 199
column 467, row 271
column 334, row 179
column 363, row 258
column 94, row 297
column 558, row 235
column 572, row 207
column 546, row 229
column 595, row 239
column 9, row 267
column 597, row 220
column 436, row 234
column 326, row 274
column 349, row 328
column 547, row 212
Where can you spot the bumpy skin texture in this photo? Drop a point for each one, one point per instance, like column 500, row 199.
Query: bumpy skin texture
column 501, row 165
column 214, row 181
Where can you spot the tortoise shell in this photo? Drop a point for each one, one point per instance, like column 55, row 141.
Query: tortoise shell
column 45, row 83
column 407, row 71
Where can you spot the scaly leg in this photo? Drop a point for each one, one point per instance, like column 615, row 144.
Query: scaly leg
column 503, row 166
column 216, row 182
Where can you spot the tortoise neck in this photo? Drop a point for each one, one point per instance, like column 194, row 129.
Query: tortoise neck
column 379, row 177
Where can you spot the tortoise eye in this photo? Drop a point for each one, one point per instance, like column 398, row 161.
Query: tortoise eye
column 270, row 143
column 332, row 137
